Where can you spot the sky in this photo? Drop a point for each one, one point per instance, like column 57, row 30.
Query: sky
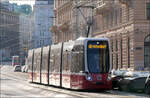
column 19, row 2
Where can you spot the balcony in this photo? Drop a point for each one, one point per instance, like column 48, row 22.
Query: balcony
column 103, row 6
column 125, row 2
column 64, row 27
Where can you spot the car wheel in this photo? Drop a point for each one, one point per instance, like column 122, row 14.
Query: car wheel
column 147, row 88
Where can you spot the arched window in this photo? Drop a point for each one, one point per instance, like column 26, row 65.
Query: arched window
column 147, row 51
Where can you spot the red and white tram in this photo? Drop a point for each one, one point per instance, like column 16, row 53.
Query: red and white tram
column 80, row 64
column 15, row 60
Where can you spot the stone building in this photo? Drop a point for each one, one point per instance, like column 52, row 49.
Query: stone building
column 63, row 15
column 42, row 11
column 125, row 22
column 26, row 28
column 9, row 33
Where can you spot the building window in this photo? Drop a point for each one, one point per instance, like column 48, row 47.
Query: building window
column 116, row 54
column 40, row 33
column 107, row 21
column 112, row 53
column 112, row 19
column 40, row 43
column 121, row 52
column 128, row 14
column 148, row 11
column 43, row 33
column 115, row 17
column 43, row 42
column 147, row 52
column 120, row 15
column 128, row 52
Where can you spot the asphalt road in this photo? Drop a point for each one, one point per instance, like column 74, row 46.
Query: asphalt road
column 15, row 84
column 12, row 86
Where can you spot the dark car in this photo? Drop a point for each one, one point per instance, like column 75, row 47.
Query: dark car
column 117, row 76
column 136, row 84
column 134, row 81
column 147, row 85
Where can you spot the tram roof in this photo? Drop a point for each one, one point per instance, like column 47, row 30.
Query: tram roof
column 92, row 38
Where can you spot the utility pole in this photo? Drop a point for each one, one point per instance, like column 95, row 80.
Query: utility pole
column 76, row 20
column 89, row 22
column 92, row 17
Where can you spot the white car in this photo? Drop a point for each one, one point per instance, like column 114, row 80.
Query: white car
column 17, row 68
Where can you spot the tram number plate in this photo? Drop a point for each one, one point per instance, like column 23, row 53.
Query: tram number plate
column 99, row 77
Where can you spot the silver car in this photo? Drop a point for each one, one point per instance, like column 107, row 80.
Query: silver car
column 17, row 68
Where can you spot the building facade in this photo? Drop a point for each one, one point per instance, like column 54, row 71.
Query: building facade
column 125, row 22
column 43, row 11
column 26, row 28
column 9, row 34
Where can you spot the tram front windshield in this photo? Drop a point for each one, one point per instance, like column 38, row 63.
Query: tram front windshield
column 98, row 56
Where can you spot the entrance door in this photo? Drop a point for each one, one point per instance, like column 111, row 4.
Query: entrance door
column 147, row 52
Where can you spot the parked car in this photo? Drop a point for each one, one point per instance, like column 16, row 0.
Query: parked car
column 131, row 81
column 136, row 84
column 17, row 68
column 147, row 85
column 117, row 76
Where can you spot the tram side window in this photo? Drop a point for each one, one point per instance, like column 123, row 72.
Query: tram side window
column 77, row 62
column 81, row 62
column 52, row 61
column 44, row 61
column 74, row 63
column 69, row 61
column 38, row 61
column 35, row 61
column 65, row 62
column 29, row 62
column 77, row 59
column 57, row 63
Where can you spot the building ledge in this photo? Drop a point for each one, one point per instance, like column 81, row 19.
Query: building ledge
column 103, row 6
column 113, row 28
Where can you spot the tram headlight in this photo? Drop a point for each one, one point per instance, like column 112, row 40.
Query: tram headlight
column 89, row 78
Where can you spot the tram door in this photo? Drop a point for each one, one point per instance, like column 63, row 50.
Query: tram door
column 55, row 68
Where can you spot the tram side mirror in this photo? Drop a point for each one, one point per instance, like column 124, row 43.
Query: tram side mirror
column 85, row 72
